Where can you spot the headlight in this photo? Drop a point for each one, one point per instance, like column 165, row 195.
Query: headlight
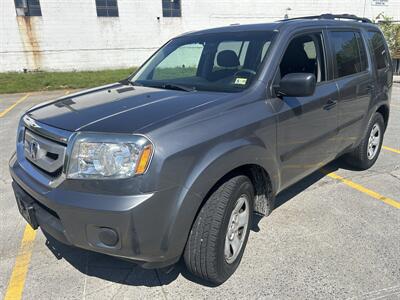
column 109, row 156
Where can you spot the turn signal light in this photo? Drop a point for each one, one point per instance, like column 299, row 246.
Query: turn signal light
column 144, row 160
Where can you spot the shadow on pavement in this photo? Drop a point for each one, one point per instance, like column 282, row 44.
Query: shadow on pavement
column 311, row 179
column 117, row 270
column 128, row 273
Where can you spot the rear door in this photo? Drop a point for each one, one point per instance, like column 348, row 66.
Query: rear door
column 355, row 83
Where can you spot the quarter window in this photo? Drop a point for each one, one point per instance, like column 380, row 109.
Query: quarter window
column 30, row 8
column 265, row 49
column 171, row 8
column 107, row 8
column 349, row 53
column 377, row 44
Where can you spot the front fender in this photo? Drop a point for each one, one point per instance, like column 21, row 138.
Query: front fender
column 209, row 169
column 224, row 158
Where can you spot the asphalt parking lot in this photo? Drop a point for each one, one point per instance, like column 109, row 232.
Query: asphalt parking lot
column 332, row 236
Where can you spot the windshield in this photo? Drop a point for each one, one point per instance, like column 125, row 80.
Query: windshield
column 226, row 62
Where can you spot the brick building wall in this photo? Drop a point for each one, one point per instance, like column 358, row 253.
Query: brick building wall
column 70, row 36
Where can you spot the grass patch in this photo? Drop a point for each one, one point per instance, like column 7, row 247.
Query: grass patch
column 178, row 72
column 47, row 81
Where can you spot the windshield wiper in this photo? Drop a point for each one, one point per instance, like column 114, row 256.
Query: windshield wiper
column 168, row 86
column 135, row 83
column 126, row 81
column 173, row 86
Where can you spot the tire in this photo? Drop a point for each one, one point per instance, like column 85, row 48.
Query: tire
column 204, row 254
column 360, row 157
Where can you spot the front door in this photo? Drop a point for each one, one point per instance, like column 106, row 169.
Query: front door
column 307, row 126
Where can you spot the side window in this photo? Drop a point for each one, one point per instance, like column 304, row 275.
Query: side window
column 182, row 62
column 305, row 54
column 349, row 53
column 309, row 48
column 379, row 52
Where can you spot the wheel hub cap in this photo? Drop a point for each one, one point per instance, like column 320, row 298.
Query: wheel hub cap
column 237, row 229
column 373, row 141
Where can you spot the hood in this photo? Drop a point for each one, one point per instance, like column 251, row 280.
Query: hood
column 119, row 108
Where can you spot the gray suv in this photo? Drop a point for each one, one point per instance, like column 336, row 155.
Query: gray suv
column 173, row 161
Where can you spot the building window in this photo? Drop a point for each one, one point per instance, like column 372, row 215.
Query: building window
column 171, row 8
column 29, row 8
column 107, row 8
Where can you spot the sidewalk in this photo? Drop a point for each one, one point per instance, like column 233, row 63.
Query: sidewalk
column 396, row 78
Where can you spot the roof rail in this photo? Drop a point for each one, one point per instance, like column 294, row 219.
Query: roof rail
column 332, row 17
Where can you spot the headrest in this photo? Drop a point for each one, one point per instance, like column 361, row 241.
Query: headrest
column 228, row 59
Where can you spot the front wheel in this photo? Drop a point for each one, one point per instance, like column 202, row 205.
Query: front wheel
column 219, row 234
column 367, row 152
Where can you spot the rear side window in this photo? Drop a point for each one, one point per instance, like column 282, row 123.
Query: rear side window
column 349, row 53
column 379, row 52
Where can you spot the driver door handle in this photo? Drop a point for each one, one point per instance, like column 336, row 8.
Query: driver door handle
column 330, row 104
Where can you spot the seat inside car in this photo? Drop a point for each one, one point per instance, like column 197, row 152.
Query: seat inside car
column 295, row 59
column 228, row 62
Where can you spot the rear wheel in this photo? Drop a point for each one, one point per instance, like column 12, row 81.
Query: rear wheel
column 219, row 234
column 367, row 152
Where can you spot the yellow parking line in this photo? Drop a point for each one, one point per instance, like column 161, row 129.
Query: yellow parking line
column 391, row 149
column 362, row 189
column 18, row 276
column 4, row 112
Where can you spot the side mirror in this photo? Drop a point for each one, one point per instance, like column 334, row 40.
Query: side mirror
column 296, row 85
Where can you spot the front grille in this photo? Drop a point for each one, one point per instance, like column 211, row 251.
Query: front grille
column 57, row 173
column 43, row 153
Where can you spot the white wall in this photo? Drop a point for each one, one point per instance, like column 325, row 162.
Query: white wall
column 70, row 36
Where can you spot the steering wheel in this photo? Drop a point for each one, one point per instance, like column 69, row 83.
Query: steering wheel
column 252, row 72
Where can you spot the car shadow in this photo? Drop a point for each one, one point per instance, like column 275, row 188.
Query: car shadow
column 311, row 179
column 128, row 273
column 118, row 270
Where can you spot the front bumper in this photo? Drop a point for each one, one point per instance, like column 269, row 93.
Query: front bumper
column 151, row 228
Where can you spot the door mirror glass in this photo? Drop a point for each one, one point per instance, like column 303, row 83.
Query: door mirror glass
column 296, row 85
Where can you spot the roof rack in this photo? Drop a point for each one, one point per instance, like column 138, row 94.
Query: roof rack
column 332, row 17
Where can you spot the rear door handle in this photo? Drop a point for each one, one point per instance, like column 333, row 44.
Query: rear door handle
column 330, row 104
column 370, row 87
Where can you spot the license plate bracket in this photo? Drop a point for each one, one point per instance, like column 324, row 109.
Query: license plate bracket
column 27, row 209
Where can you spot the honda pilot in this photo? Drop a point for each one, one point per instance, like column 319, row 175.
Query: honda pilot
column 173, row 161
